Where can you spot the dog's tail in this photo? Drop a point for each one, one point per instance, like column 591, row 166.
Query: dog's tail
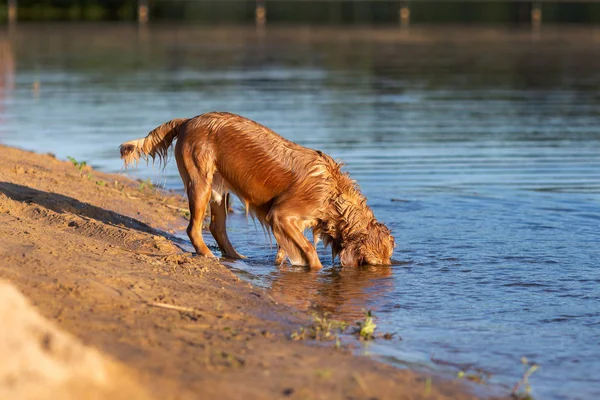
column 157, row 143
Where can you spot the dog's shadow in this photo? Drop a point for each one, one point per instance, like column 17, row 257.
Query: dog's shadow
column 64, row 204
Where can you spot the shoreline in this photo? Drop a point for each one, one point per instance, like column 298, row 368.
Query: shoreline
column 90, row 252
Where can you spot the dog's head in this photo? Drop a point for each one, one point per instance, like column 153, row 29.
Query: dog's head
column 374, row 247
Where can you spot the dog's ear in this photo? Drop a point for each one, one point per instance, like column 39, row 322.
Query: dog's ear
column 373, row 247
column 381, row 242
column 351, row 255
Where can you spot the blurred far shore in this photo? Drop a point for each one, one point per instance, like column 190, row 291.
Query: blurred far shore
column 325, row 12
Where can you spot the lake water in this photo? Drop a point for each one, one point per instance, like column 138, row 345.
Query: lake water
column 479, row 148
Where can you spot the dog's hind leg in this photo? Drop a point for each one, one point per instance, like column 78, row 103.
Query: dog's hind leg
column 198, row 187
column 198, row 196
column 218, row 228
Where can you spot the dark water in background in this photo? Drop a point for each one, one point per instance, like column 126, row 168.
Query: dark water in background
column 479, row 148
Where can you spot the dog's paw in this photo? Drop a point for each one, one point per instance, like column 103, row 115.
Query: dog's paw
column 235, row 256
column 209, row 256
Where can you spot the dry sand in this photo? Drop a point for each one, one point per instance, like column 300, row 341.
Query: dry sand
column 42, row 362
column 92, row 253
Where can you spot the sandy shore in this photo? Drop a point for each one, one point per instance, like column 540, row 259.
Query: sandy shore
column 92, row 252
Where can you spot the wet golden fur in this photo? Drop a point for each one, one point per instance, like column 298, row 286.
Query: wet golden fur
column 287, row 187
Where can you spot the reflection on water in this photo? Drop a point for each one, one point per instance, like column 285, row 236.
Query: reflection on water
column 480, row 148
column 342, row 292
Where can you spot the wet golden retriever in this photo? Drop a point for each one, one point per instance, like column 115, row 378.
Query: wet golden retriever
column 287, row 187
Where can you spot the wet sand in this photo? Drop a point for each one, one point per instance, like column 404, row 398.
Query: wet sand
column 94, row 254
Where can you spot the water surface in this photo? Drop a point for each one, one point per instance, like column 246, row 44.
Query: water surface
column 479, row 148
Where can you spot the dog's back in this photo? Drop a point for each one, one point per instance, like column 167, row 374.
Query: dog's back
column 255, row 163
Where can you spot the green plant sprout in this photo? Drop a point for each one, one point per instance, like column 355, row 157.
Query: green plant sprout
column 80, row 165
column 522, row 389
column 366, row 327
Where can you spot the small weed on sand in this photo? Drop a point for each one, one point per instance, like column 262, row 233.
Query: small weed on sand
column 476, row 376
column 147, row 184
column 428, row 384
column 324, row 374
column 325, row 328
column 366, row 328
column 184, row 213
column 321, row 328
column 80, row 165
column 522, row 389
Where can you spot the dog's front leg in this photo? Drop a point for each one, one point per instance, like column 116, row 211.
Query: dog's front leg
column 292, row 240
column 280, row 256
